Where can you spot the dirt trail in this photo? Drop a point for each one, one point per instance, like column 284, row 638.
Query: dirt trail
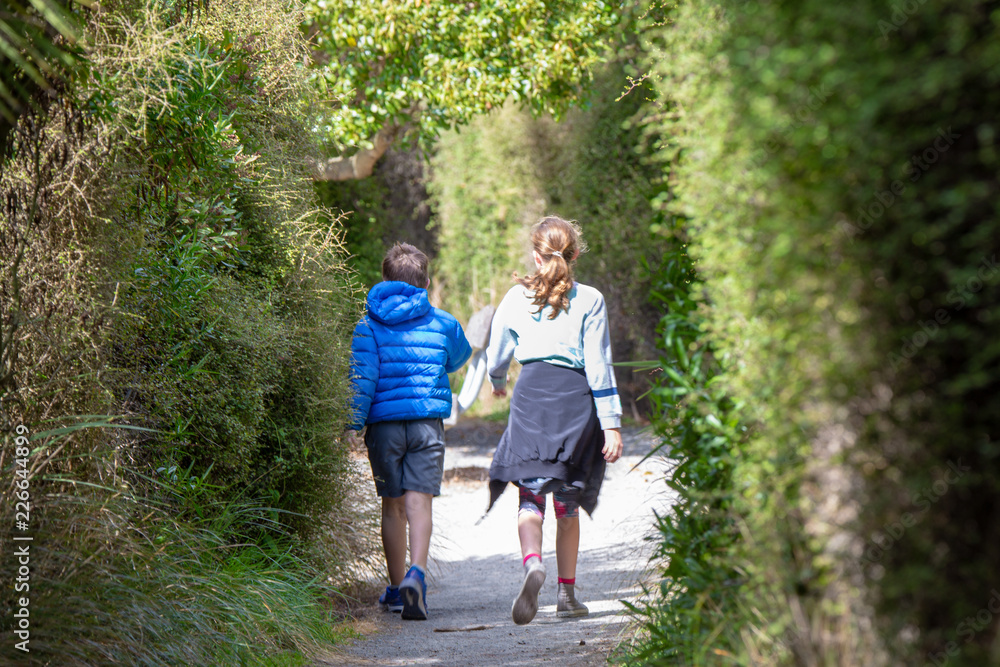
column 475, row 570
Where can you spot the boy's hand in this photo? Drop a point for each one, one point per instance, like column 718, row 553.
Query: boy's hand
column 501, row 391
column 612, row 445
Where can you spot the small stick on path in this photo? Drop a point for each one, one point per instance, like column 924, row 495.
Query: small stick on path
column 468, row 628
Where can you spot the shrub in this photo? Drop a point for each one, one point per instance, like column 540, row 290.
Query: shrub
column 389, row 206
column 690, row 615
column 215, row 303
column 170, row 268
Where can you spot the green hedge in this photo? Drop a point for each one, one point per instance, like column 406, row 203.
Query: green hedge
column 836, row 165
column 215, row 301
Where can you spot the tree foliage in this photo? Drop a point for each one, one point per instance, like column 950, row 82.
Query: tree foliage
column 431, row 66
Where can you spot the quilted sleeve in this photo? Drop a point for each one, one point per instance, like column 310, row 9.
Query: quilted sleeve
column 364, row 372
column 459, row 349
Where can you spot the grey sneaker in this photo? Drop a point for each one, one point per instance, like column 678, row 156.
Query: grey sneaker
column 567, row 606
column 526, row 603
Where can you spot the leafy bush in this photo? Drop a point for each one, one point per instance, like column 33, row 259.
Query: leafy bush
column 391, row 205
column 169, row 267
column 690, row 614
column 366, row 227
column 215, row 303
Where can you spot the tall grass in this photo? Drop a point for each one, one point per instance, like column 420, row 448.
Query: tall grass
column 121, row 578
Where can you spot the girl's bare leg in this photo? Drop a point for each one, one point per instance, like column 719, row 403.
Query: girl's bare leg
column 567, row 546
column 529, row 530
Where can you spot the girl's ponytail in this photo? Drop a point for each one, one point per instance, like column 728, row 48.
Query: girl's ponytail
column 557, row 242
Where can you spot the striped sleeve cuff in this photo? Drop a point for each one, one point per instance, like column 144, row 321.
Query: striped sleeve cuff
column 609, row 408
column 614, row 421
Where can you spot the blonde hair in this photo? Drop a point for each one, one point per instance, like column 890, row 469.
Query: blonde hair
column 558, row 242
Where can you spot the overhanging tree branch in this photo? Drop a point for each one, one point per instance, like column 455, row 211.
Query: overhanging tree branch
column 359, row 165
column 460, row 59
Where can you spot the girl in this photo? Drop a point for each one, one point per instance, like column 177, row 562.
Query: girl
column 565, row 413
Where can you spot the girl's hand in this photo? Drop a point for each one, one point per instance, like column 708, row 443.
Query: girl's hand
column 353, row 438
column 502, row 391
column 612, row 445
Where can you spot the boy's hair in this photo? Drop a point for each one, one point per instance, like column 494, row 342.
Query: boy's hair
column 558, row 242
column 407, row 264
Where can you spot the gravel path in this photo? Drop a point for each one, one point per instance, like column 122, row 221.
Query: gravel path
column 475, row 571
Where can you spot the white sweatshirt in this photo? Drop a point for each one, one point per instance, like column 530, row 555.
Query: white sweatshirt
column 576, row 338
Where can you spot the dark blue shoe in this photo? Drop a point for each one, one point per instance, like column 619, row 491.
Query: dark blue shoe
column 391, row 600
column 413, row 590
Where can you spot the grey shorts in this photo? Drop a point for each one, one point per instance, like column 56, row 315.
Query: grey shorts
column 406, row 456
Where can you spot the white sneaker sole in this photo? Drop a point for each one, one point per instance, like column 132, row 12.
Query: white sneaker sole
column 526, row 603
column 572, row 613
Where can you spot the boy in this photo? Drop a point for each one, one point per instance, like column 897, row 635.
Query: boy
column 401, row 354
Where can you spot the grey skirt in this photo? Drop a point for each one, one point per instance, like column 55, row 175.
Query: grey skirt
column 553, row 432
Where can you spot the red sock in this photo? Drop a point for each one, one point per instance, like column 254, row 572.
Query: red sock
column 525, row 561
column 567, row 581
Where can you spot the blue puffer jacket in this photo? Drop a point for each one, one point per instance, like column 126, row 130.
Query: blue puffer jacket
column 401, row 355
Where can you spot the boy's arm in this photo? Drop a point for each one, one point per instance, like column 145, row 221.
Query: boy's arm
column 501, row 347
column 459, row 349
column 364, row 373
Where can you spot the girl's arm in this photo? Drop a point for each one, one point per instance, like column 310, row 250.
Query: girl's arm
column 612, row 444
column 597, row 364
column 501, row 348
